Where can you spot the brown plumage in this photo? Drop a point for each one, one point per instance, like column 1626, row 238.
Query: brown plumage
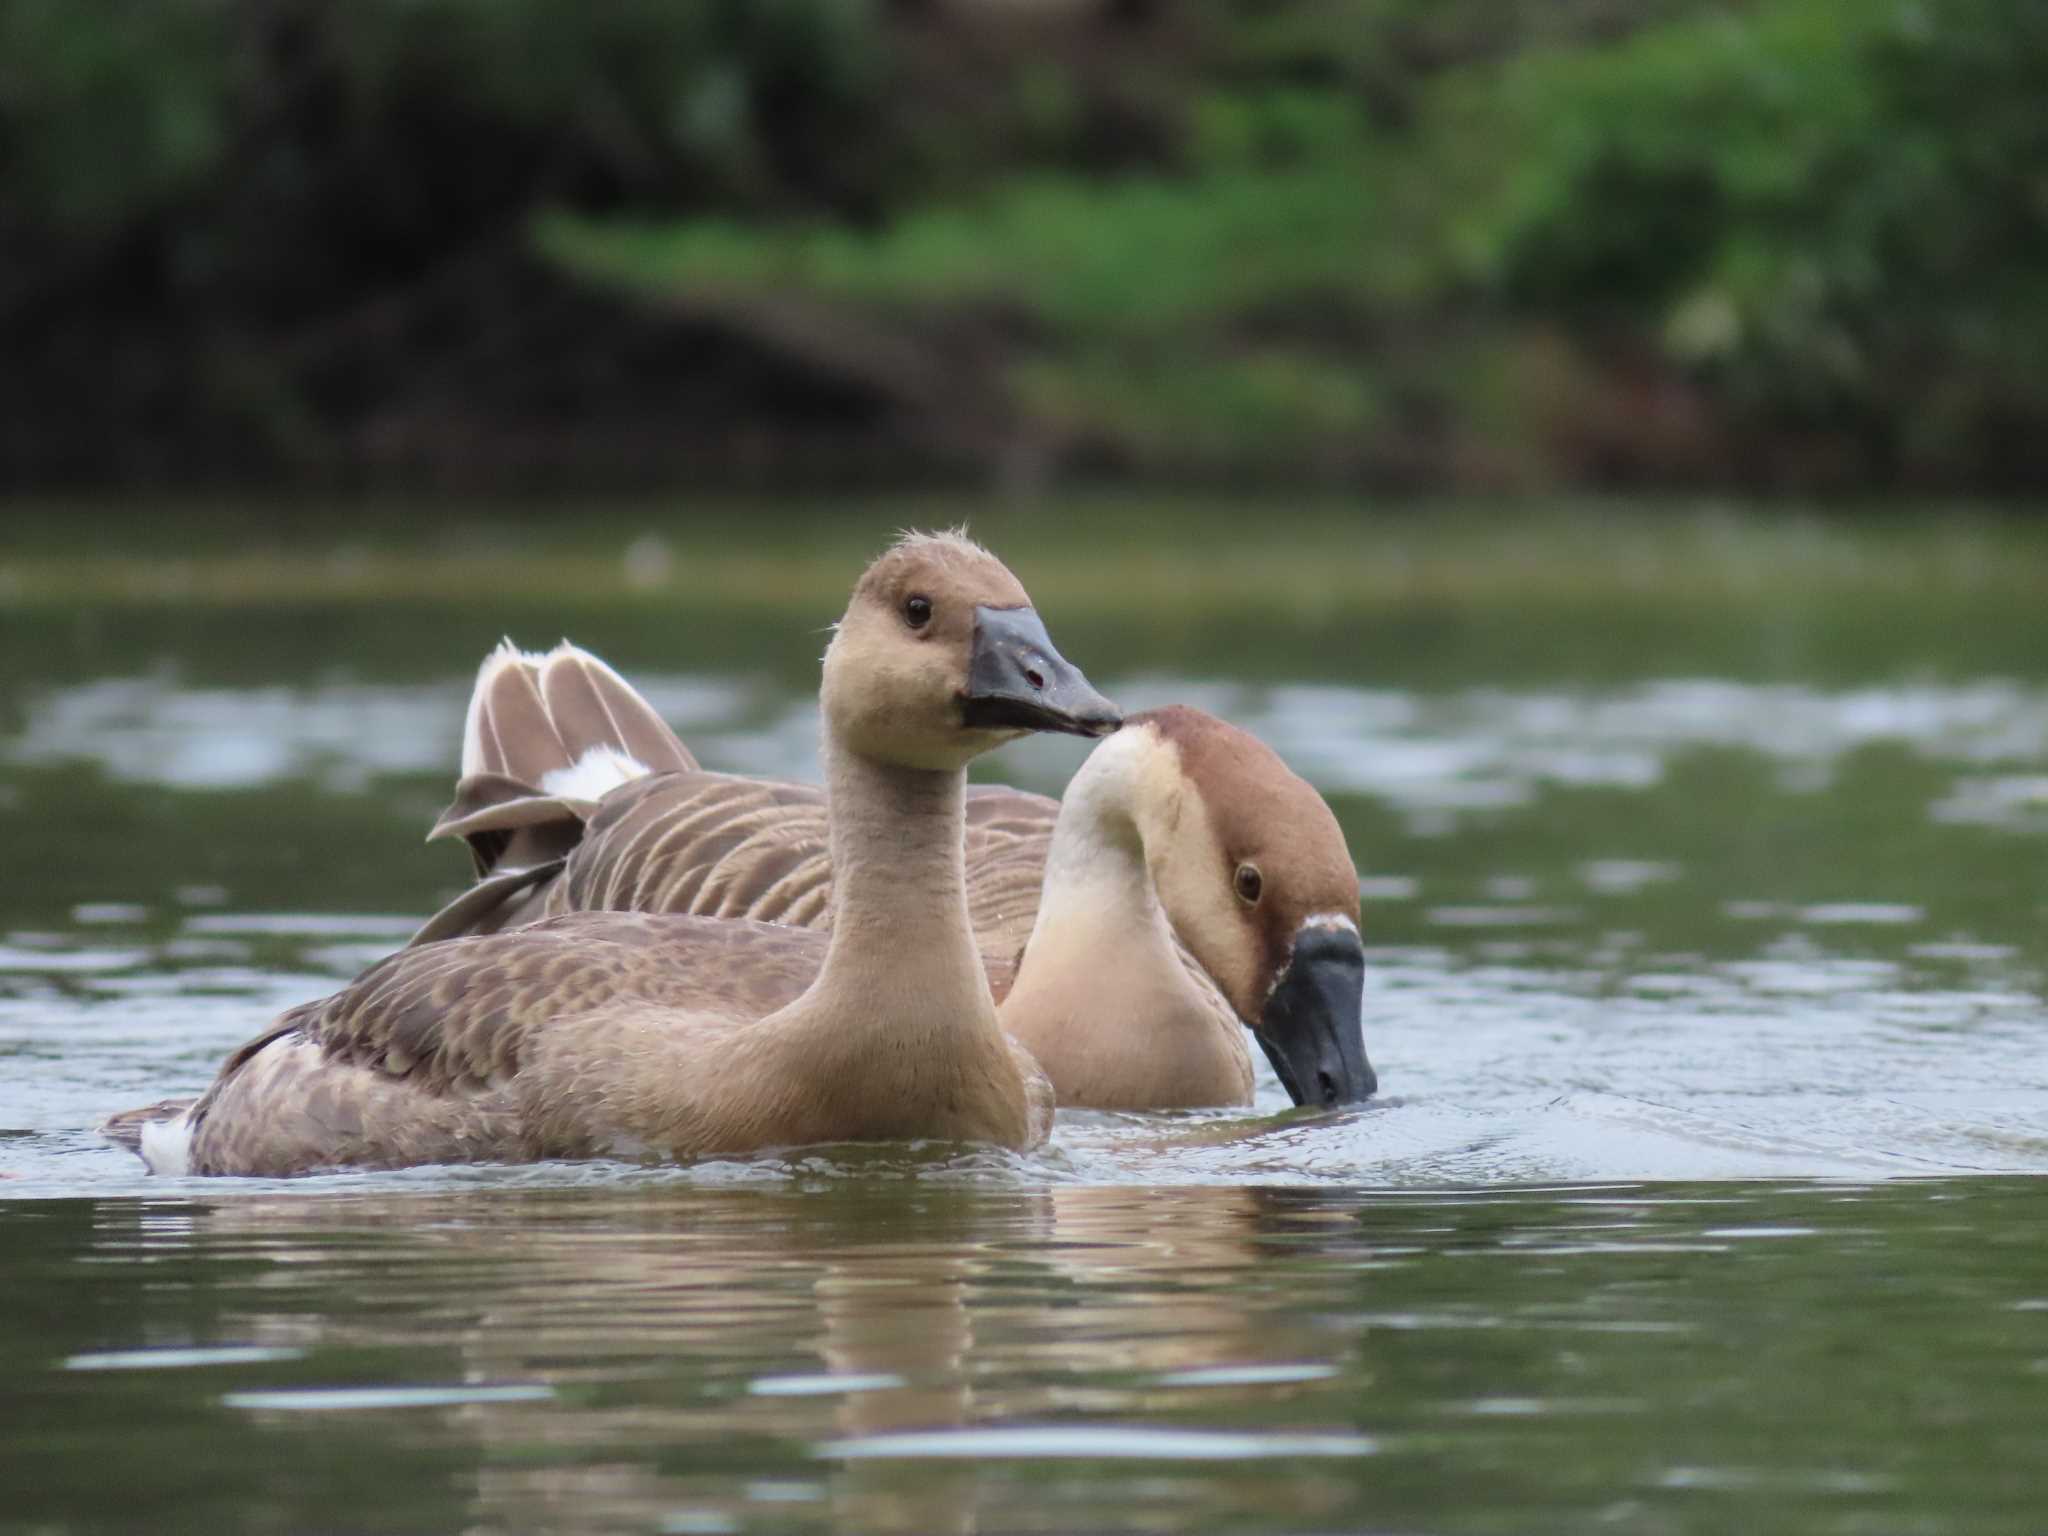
column 597, row 1033
column 1121, row 1009
column 721, row 845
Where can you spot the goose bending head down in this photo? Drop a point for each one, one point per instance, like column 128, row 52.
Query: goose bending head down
column 1185, row 833
column 602, row 1033
column 1255, row 850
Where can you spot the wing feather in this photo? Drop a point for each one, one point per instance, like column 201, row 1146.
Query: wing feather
column 677, row 839
column 589, row 705
column 420, row 1058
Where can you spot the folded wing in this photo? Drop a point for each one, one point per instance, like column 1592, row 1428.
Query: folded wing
column 576, row 797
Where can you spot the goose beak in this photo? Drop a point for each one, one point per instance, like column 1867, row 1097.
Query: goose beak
column 1017, row 681
column 1311, row 1030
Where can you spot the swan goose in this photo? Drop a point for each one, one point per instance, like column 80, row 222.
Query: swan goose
column 1186, row 884
column 610, row 1033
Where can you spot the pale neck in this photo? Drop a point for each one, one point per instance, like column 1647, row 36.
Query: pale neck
column 1099, row 919
column 1102, row 996
column 899, row 882
column 1095, row 864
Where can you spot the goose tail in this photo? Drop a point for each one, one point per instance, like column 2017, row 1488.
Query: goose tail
column 539, row 718
column 548, row 736
column 157, row 1133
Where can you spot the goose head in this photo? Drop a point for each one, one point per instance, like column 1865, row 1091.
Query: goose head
column 1252, row 870
column 940, row 657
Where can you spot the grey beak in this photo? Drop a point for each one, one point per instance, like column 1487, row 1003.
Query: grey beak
column 1017, row 681
column 1312, row 1030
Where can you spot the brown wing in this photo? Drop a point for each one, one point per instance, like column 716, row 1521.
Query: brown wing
column 1008, row 833
column 496, row 902
column 718, row 845
column 682, row 840
column 995, row 810
column 708, row 843
column 724, row 846
column 444, row 1015
column 419, row 1059
column 705, row 843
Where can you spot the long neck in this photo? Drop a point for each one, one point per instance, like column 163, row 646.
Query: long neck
column 899, row 888
column 1102, row 995
column 1095, row 866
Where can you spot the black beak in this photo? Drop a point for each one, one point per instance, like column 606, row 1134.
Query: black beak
column 1017, row 681
column 1312, row 1031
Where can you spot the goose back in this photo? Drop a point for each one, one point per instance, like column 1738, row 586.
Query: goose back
column 720, row 845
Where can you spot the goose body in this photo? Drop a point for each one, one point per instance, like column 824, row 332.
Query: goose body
column 632, row 1033
column 1110, row 922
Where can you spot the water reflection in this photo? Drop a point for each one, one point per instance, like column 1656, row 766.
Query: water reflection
column 861, row 1343
column 898, row 1356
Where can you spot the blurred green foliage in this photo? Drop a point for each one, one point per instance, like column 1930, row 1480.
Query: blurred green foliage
column 1834, row 215
column 1475, row 243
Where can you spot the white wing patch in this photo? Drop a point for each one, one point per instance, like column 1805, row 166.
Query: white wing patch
column 595, row 774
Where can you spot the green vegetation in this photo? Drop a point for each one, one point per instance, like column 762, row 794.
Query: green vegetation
column 1764, row 245
column 1819, row 211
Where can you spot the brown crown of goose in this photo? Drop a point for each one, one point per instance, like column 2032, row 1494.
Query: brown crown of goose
column 1249, row 856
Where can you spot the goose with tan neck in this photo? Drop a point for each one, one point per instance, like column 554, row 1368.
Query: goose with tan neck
column 1189, row 869
column 1186, row 885
column 610, row 1033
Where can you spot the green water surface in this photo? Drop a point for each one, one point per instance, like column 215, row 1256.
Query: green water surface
column 1705, row 876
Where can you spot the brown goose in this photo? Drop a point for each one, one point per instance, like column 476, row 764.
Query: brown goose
column 1186, row 884
column 607, row 1033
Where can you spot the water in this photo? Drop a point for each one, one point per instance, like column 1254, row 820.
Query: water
column 667, row 1355
column 1705, row 989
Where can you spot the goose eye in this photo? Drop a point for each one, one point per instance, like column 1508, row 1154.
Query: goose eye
column 918, row 612
column 1250, row 884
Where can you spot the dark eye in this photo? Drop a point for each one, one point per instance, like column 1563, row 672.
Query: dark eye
column 918, row 611
column 1250, row 884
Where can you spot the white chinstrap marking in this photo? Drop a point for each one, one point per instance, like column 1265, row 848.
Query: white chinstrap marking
column 1335, row 922
column 1328, row 920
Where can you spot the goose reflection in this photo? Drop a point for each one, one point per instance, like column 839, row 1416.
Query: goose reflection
column 701, row 1345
